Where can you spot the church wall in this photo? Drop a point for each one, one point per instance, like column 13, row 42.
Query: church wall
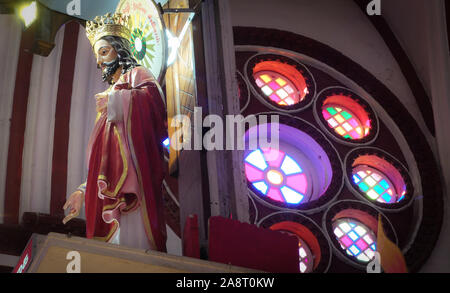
column 427, row 47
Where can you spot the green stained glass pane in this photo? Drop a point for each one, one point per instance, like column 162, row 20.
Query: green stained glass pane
column 331, row 111
column 348, row 136
column 363, row 187
column 346, row 115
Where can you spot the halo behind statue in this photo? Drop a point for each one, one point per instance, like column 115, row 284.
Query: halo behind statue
column 148, row 38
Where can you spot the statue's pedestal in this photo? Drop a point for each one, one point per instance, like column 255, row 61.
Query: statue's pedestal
column 52, row 254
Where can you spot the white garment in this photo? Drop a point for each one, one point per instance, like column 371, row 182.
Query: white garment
column 131, row 231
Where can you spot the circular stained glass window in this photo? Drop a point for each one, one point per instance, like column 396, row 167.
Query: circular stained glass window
column 293, row 171
column 345, row 122
column 355, row 238
column 276, row 175
column 279, row 89
column 378, row 180
column 281, row 83
column 346, row 117
column 376, row 185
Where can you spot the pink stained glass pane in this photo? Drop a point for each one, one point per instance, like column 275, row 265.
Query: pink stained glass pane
column 297, row 182
column 289, row 101
column 274, row 97
column 253, row 174
column 326, row 115
column 354, row 134
column 259, row 82
column 273, row 157
column 289, row 89
column 346, row 241
column 274, row 85
column 353, row 122
column 275, row 194
column 362, row 244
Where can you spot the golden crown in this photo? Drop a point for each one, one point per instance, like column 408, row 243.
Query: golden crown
column 116, row 24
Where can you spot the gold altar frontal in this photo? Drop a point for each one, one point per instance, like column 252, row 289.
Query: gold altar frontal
column 52, row 255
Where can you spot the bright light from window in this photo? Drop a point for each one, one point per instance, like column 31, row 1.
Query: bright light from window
column 166, row 143
column 29, row 13
column 275, row 177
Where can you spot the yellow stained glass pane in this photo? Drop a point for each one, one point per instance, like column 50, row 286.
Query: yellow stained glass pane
column 265, row 78
column 339, row 118
column 340, row 130
column 281, row 82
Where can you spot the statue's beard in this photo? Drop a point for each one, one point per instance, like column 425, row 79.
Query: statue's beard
column 110, row 70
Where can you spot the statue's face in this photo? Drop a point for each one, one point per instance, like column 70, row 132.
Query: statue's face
column 107, row 60
column 104, row 52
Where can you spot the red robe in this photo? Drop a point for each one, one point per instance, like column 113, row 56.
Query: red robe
column 125, row 161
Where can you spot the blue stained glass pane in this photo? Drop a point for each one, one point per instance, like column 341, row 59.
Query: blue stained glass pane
column 353, row 225
column 363, row 187
column 291, row 196
column 401, row 198
column 384, row 184
column 256, row 158
column 356, row 179
column 290, row 166
column 378, row 189
column 166, row 142
column 373, row 246
column 386, row 197
column 261, row 186
column 354, row 250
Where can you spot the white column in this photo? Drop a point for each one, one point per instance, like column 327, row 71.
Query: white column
column 11, row 32
column 35, row 192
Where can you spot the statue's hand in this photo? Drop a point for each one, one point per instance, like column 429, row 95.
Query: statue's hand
column 74, row 202
column 101, row 101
